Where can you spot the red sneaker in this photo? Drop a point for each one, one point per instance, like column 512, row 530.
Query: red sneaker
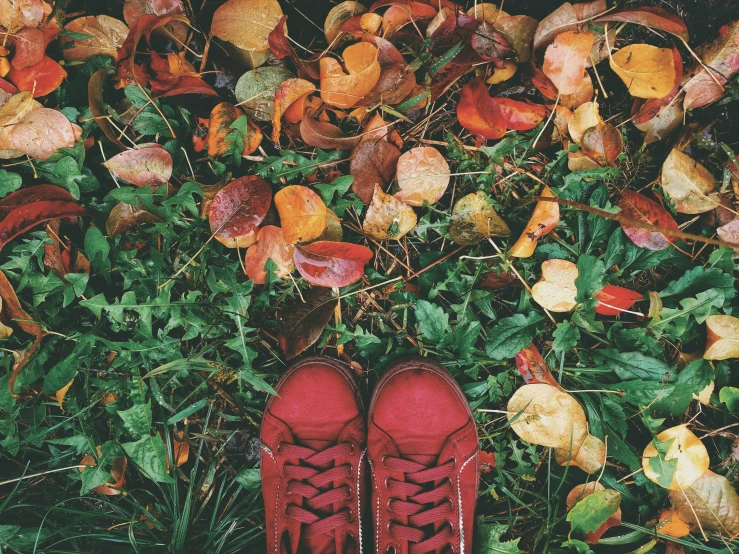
column 423, row 451
column 313, row 446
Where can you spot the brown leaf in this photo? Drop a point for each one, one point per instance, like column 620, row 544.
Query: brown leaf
column 325, row 135
column 662, row 125
column 124, row 217
column 388, row 218
column 302, row 213
column 238, row 209
column 42, row 132
column 270, row 245
column 474, row 219
column 340, row 14
column 41, row 78
column 603, row 143
column 565, row 58
column 730, row 233
column 142, row 167
column 344, row 89
column 490, row 44
column 519, row 31
column 561, row 20
column 106, row 37
column 97, row 105
column 373, row 165
column 300, row 324
column 713, row 500
column 15, row 14
column 396, row 82
column 583, row 94
column 638, row 207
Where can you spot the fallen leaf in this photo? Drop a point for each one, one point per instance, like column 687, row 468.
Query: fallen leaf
column 556, row 289
column 489, row 44
column 117, row 472
column 396, row 82
column 603, row 144
column 142, row 167
column 98, row 107
column 585, row 117
column 134, row 9
column 124, row 217
column 547, row 416
column 15, row 14
column 519, row 31
column 478, row 113
column 344, row 89
column 302, row 213
column 41, row 78
column 648, row 16
column 238, row 209
column 671, row 525
column 591, row 520
column 370, row 22
column 637, row 206
column 730, row 233
column 220, row 132
column 590, row 457
column 722, row 58
column 583, row 94
column 652, row 107
column 587, row 10
column 710, row 504
column 501, row 75
column 689, row 185
column 543, row 220
column 474, row 219
column 246, row 24
column 561, row 20
column 326, row 135
column 423, row 176
column 301, row 323
column 677, row 460
column 400, row 14
column 544, row 84
column 533, row 368
column 270, row 245
column 663, row 124
column 373, row 165
column 30, row 46
column 647, row 71
column 42, row 132
column 485, row 11
column 722, row 337
column 105, row 36
column 12, row 112
column 62, row 393
column 614, row 300
column 332, row 264
column 255, row 91
column 287, row 93
column 520, row 116
column 338, row 15
column 388, row 218
column 565, row 58
column 281, row 48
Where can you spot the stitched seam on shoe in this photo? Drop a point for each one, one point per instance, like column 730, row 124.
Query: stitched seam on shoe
column 377, row 510
column 459, row 501
column 359, row 498
column 277, row 500
column 267, row 450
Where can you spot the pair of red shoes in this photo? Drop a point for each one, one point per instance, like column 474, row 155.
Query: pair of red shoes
column 421, row 442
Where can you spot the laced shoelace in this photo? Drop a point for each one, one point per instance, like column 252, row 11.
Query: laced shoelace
column 424, row 506
column 313, row 480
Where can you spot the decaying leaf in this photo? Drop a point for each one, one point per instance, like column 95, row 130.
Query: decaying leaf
column 124, row 217
column 520, row 116
column 533, row 368
column 675, row 458
column 237, row 210
column 270, row 245
column 585, row 117
column 117, row 473
column 590, row 457
column 105, row 36
column 300, row 323
column 326, row 135
column 591, row 518
column 519, row 31
column 689, row 184
column 561, row 20
column 388, row 218
column 340, row 14
column 344, row 89
column 255, row 90
column 373, row 165
column 543, row 220
column 332, row 264
column 648, row 16
column 637, row 206
column 565, row 58
column 142, row 167
column 396, row 82
column 474, row 219
column 556, row 289
column 662, row 125
column 722, row 337
column 220, row 131
column 41, row 78
column 710, row 504
column 423, row 176
column 603, row 144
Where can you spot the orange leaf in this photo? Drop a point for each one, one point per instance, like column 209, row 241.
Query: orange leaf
column 303, row 214
column 41, row 78
column 544, row 219
column 478, row 113
column 344, row 89
column 270, row 245
column 288, row 92
column 565, row 58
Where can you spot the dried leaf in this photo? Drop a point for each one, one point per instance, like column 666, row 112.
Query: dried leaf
column 648, row 16
column 519, row 31
column 97, row 106
column 722, row 57
column 300, row 324
column 373, row 165
column 30, row 46
column 286, row 94
column 663, row 124
column 565, row 58
column 638, row 207
column 41, row 78
column 106, row 36
column 134, row 9
column 325, row 135
column 332, row 264
column 489, row 44
column 15, row 14
column 396, row 82
column 647, row 71
column 340, row 14
column 556, row 290
column 423, row 176
column 722, row 337
column 117, row 473
column 344, row 89
column 652, row 107
column 474, row 219
column 388, row 218
column 42, row 132
column 730, row 233
column 543, row 220
column 220, row 133
column 270, row 245
column 710, row 504
column 603, row 144
column 246, row 24
column 302, row 213
column 590, row 457
column 238, row 209
column 583, row 94
column 561, row 20
column 614, row 300
column 680, row 460
column 142, row 167
column 533, row 368
column 478, row 113
column 689, row 185
column 585, row 117
column 124, row 217
column 671, row 525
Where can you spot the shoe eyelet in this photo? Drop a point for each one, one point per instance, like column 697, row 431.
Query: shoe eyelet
column 387, row 482
column 382, row 460
column 284, row 510
column 388, row 527
column 389, row 500
column 454, row 462
column 353, row 448
column 279, row 448
column 451, row 525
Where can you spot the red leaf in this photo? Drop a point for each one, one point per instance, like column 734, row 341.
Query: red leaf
column 373, row 165
column 637, row 206
column 603, row 143
column 281, row 48
column 544, row 84
column 25, row 209
column 657, row 18
column 520, row 116
column 653, row 106
column 238, row 209
column 617, row 299
column 332, row 264
column 164, row 83
column 41, row 78
column 30, row 45
column 487, row 461
column 478, row 113
column 533, row 368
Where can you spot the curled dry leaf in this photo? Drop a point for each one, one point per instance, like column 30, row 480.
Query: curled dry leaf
column 710, row 504
column 395, row 83
column 423, row 176
column 344, row 89
column 614, row 300
column 332, row 264
column 579, row 493
column 543, row 220
column 326, row 135
column 561, row 20
column 556, row 289
column 675, row 458
column 565, row 58
column 388, row 218
column 373, row 165
column 489, row 44
column 520, row 116
column 117, row 473
column 722, row 58
column 42, row 132
column 590, row 457
column 474, row 219
column 478, row 113
column 648, row 16
column 105, row 36
column 246, row 24
column 503, row 74
column 547, row 416
column 722, row 337
column 647, row 71
column 689, row 184
column 220, row 133
column 270, row 245
column 637, row 206
column 301, row 323
column 287, row 93
column 533, row 368
column 340, row 14
column 237, row 210
column 124, row 217
column 603, row 144
column 663, row 124
column 255, row 91
column 41, row 78
column 400, row 14
column 142, row 167
column 585, row 117
column 302, row 213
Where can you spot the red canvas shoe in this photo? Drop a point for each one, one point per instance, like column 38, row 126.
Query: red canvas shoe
column 423, row 451
column 313, row 446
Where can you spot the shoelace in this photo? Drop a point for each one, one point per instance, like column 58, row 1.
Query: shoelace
column 311, row 479
column 421, row 505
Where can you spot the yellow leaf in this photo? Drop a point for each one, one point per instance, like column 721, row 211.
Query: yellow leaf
column 648, row 71
column 722, row 337
column 687, row 449
column 556, row 289
column 387, row 217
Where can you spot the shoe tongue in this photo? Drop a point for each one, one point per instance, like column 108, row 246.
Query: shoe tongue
column 320, row 544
